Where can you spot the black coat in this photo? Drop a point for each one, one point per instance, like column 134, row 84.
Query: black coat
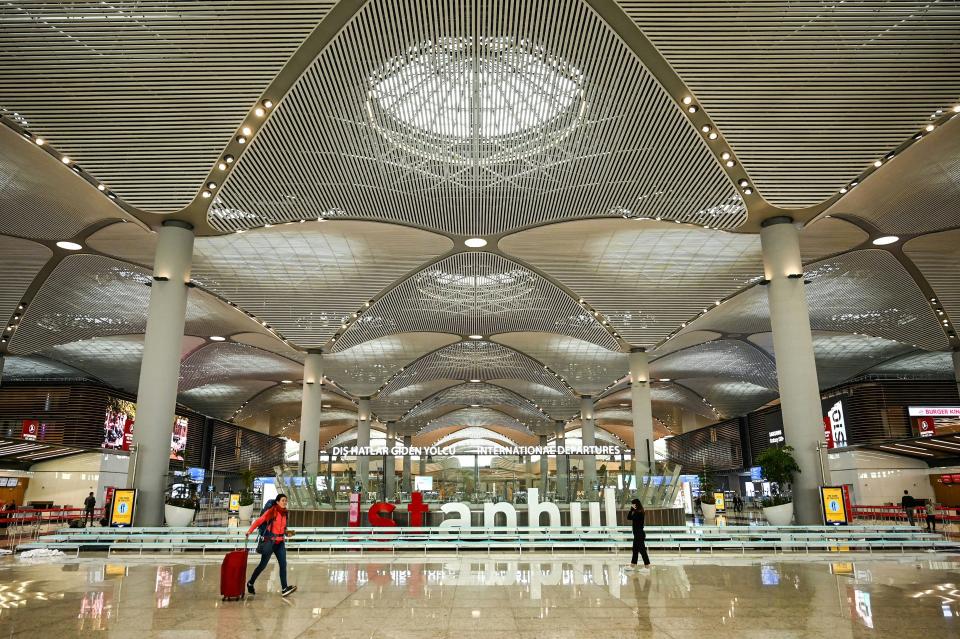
column 636, row 518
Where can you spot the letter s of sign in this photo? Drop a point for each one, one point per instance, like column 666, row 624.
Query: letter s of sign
column 374, row 515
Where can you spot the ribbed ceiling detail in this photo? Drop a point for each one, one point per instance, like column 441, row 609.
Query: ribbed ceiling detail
column 588, row 368
column 474, row 119
column 728, row 359
column 33, row 181
column 363, row 369
column 865, row 291
column 145, row 93
column 921, row 365
column 20, row 261
column 226, row 360
column 809, row 93
column 476, row 417
column 475, row 293
column 840, row 357
column 93, row 296
column 938, row 258
column 35, row 368
column 914, row 192
column 475, row 395
column 731, row 398
column 481, row 360
column 646, row 277
column 222, row 399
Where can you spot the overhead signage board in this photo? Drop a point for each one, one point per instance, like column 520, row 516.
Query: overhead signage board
column 834, row 505
column 934, row 411
column 124, row 502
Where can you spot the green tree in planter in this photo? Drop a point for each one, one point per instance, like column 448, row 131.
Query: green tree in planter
column 706, row 489
column 246, row 494
column 778, row 466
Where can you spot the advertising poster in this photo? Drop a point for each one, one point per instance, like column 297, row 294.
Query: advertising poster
column 719, row 501
column 123, row 504
column 354, row 509
column 234, row 503
column 118, row 425
column 834, row 506
column 178, row 440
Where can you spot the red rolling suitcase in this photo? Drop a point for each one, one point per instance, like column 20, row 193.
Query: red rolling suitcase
column 233, row 575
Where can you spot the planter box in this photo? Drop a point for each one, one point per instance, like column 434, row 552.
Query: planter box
column 246, row 513
column 177, row 517
column 781, row 515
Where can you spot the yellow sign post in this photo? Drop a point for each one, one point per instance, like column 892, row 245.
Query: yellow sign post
column 234, row 503
column 124, row 500
column 719, row 501
column 834, row 506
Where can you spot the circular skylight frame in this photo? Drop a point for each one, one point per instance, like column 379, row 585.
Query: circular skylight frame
column 426, row 100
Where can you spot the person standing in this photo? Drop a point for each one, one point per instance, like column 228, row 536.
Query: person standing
column 89, row 504
column 908, row 503
column 274, row 543
column 636, row 516
column 931, row 508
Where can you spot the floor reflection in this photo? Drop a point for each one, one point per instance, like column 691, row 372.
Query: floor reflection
column 579, row 597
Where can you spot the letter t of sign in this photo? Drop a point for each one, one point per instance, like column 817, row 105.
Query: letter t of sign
column 416, row 508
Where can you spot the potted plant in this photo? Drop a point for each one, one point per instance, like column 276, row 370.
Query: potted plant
column 179, row 511
column 778, row 466
column 708, row 503
column 246, row 495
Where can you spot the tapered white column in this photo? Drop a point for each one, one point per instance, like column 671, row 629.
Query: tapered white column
column 544, row 467
column 562, row 467
column 589, row 462
column 310, row 409
column 405, row 479
column 363, row 440
column 642, row 412
column 160, row 369
column 796, row 366
column 390, row 464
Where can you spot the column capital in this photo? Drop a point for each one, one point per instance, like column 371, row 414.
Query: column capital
column 638, row 349
column 178, row 223
column 779, row 219
column 314, row 351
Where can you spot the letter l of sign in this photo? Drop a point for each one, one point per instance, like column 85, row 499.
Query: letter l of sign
column 416, row 508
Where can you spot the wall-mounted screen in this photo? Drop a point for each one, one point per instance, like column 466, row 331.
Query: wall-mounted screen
column 118, row 424
column 423, row 482
column 178, row 440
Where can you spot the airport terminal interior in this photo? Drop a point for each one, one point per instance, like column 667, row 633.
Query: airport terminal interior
column 448, row 312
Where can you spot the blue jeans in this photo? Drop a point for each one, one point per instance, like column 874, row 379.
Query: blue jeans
column 279, row 549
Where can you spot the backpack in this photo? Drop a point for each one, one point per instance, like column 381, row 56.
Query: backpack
column 262, row 528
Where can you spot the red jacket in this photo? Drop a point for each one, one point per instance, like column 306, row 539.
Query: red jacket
column 278, row 523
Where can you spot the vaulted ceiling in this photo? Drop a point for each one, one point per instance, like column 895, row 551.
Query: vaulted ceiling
column 613, row 159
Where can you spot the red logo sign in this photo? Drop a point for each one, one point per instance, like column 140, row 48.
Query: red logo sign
column 30, row 430
column 926, row 426
column 828, row 431
column 354, row 512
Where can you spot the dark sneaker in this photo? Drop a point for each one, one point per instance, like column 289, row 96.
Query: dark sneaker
column 250, row 588
column 289, row 590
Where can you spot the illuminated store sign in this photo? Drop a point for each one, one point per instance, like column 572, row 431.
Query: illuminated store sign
column 838, row 426
column 776, row 436
column 482, row 450
column 934, row 411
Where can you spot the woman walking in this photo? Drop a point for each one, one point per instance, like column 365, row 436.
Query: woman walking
column 636, row 516
column 275, row 535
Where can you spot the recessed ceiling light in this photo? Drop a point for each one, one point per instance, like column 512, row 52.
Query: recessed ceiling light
column 69, row 246
column 743, row 183
column 476, row 337
column 268, row 103
column 205, row 194
column 247, row 131
column 217, row 338
column 692, row 108
column 713, row 135
column 259, row 112
column 705, row 128
column 687, row 99
column 748, row 191
column 731, row 163
column 222, row 166
column 101, row 187
column 241, row 139
column 286, row 381
column 40, row 141
column 724, row 156
column 878, row 163
column 475, row 242
column 930, row 127
column 475, row 381
column 664, row 379
column 66, row 160
column 886, row 239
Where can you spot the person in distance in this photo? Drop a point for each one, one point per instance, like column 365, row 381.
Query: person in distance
column 636, row 516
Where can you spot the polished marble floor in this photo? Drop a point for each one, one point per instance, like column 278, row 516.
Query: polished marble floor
column 589, row 597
